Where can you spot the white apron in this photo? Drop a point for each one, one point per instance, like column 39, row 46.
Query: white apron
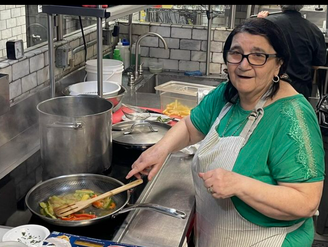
column 218, row 223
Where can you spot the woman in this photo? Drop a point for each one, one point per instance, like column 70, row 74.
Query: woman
column 258, row 172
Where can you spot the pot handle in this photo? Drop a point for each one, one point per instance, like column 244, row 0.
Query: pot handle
column 65, row 125
column 151, row 128
column 161, row 209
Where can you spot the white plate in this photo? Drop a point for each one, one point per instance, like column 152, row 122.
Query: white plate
column 12, row 244
column 30, row 234
column 153, row 117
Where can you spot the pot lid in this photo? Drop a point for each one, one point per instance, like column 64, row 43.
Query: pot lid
column 139, row 133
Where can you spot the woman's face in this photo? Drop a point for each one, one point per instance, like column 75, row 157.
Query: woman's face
column 246, row 78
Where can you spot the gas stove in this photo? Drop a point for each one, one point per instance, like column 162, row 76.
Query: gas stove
column 107, row 228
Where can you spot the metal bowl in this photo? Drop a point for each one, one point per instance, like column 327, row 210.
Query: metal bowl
column 116, row 100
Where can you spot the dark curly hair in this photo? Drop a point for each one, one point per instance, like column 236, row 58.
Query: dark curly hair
column 276, row 38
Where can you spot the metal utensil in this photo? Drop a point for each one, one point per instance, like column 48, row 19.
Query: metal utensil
column 71, row 208
column 134, row 112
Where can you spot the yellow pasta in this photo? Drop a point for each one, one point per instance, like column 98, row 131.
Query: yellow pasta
column 177, row 109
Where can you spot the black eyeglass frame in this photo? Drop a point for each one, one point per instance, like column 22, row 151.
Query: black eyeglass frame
column 246, row 56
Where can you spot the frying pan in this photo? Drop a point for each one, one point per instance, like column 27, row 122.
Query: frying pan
column 96, row 182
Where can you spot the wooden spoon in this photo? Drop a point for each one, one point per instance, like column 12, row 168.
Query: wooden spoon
column 71, row 208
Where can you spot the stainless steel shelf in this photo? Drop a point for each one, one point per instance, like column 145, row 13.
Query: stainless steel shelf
column 119, row 11
column 110, row 13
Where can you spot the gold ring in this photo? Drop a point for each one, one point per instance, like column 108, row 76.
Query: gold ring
column 210, row 190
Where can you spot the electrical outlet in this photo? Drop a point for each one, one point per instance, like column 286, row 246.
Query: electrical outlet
column 62, row 56
column 107, row 36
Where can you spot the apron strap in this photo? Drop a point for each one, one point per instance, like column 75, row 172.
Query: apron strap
column 222, row 113
column 253, row 119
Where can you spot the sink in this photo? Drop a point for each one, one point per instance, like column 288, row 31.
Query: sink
column 148, row 85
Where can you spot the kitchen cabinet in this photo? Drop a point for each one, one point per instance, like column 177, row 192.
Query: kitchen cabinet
column 109, row 14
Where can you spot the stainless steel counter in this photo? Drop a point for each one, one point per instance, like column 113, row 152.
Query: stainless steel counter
column 172, row 187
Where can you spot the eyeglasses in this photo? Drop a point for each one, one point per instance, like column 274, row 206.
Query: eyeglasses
column 256, row 59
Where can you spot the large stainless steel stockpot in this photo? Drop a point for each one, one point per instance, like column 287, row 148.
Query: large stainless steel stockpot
column 75, row 135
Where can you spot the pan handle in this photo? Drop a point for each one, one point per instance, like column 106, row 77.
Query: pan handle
column 161, row 209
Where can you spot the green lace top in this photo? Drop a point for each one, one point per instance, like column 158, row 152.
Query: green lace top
column 286, row 146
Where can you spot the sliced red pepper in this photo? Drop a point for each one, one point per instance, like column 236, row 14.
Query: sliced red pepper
column 97, row 204
column 85, row 215
column 79, row 217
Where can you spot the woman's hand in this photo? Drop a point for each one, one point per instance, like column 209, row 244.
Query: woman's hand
column 179, row 136
column 263, row 14
column 148, row 163
column 220, row 182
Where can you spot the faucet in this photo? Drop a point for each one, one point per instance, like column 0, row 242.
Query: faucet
column 136, row 69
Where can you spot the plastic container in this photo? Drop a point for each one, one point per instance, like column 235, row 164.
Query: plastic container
column 126, row 59
column 155, row 67
column 117, row 55
column 133, row 54
column 124, row 49
column 178, row 98
column 119, row 47
column 112, row 70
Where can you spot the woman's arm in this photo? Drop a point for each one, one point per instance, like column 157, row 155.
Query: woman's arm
column 285, row 201
column 179, row 136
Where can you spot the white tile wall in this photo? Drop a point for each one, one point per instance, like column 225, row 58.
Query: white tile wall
column 187, row 46
column 15, row 88
column 36, row 62
column 180, row 54
column 42, row 75
column 21, row 69
column 181, row 33
column 29, row 82
column 198, row 56
column 159, row 53
column 12, row 25
column 199, row 34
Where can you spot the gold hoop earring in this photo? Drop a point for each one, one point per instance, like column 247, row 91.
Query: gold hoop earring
column 276, row 79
